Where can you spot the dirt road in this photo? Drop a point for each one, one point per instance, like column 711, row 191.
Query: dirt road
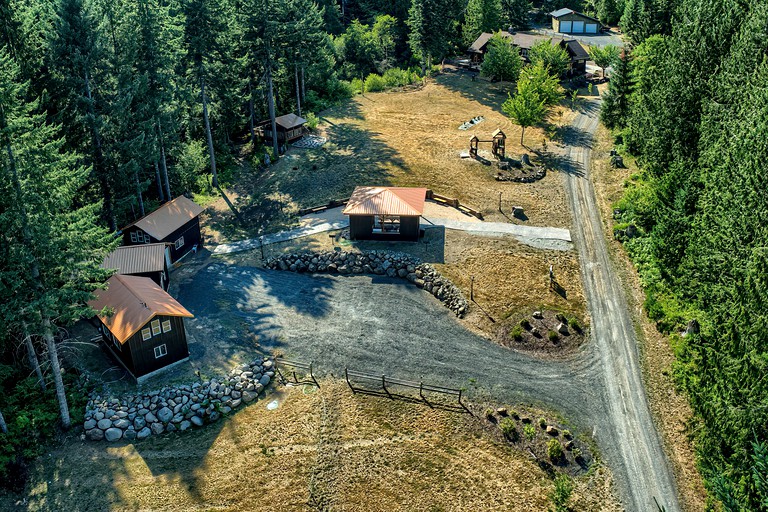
column 633, row 448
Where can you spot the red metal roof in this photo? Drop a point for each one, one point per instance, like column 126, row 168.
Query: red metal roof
column 402, row 201
column 135, row 301
column 168, row 218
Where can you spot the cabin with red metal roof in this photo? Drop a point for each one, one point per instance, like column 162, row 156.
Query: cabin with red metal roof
column 385, row 213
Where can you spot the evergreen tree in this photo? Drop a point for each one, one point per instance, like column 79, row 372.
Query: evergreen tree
column 481, row 16
column 615, row 107
column 515, row 13
column 430, row 22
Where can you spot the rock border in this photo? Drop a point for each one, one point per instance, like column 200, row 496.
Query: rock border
column 175, row 408
column 392, row 264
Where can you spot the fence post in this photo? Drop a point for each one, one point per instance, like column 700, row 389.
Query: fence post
column 384, row 386
column 421, row 391
column 312, row 375
column 346, row 375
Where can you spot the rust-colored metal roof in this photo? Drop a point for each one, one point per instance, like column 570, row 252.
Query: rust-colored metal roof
column 403, row 201
column 168, row 218
column 135, row 301
column 289, row 121
column 137, row 259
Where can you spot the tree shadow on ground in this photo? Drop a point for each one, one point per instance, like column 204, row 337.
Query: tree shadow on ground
column 560, row 163
column 573, row 136
column 491, row 95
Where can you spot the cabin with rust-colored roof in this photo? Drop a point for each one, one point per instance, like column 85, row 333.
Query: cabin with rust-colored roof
column 176, row 222
column 144, row 326
column 385, row 213
column 290, row 127
column 147, row 260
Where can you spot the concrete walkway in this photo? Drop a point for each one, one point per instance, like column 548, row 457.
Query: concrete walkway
column 332, row 219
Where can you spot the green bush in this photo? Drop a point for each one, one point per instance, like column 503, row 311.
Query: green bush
column 312, row 121
column 357, row 86
column 529, row 431
column 552, row 335
column 554, row 450
column 575, row 325
column 561, row 494
column 395, row 77
column 374, row 83
column 509, row 429
column 517, row 333
column 542, row 422
column 525, row 324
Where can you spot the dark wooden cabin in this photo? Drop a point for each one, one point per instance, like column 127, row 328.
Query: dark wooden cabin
column 147, row 260
column 290, row 127
column 385, row 213
column 145, row 333
column 176, row 222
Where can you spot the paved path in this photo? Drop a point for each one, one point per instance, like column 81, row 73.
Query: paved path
column 633, row 448
column 282, row 236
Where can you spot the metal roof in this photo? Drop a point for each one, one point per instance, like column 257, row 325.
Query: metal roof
column 137, row 259
column 481, row 42
column 168, row 218
column 289, row 121
column 406, row 202
column 562, row 12
column 135, row 301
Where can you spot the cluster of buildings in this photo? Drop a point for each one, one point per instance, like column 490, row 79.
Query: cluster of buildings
column 144, row 326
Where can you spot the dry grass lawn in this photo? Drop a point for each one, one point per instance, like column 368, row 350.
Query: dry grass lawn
column 323, row 450
column 671, row 409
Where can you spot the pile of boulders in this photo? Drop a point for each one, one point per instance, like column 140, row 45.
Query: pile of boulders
column 392, row 264
column 175, row 408
column 535, row 174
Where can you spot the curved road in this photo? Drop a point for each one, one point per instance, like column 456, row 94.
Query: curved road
column 640, row 465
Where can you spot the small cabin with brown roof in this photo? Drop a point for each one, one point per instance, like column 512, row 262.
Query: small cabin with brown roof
column 145, row 330
column 289, row 128
column 148, row 260
column 385, row 213
column 176, row 222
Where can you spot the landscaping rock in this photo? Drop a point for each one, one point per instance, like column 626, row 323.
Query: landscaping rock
column 538, row 315
column 143, row 433
column 122, row 423
column 196, row 421
column 552, row 430
column 151, row 418
column 113, row 434
column 157, row 428
column 562, row 329
column 264, row 380
column 104, row 424
column 89, row 424
column 129, row 434
column 249, row 397
column 165, row 414
column 95, row 434
column 185, row 425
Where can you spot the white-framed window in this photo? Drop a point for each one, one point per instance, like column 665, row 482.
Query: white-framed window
column 146, row 334
column 160, row 351
column 155, row 327
column 166, row 325
column 134, row 237
column 117, row 344
column 179, row 243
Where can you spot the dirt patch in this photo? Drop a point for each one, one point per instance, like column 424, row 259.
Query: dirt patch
column 671, row 410
column 324, row 450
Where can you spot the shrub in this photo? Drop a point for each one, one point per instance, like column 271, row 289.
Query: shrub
column 509, row 429
column 561, row 494
column 356, row 85
column 374, row 83
column 552, row 335
column 567, row 434
column 529, row 431
column 312, row 121
column 525, row 324
column 554, row 450
column 489, row 414
column 542, row 423
column 394, row 77
column 575, row 325
column 517, row 333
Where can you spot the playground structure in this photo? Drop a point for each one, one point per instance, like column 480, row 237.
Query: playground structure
column 498, row 140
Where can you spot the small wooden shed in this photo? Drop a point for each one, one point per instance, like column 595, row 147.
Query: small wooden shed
column 289, row 128
column 148, row 260
column 145, row 332
column 177, row 222
column 385, row 213
column 568, row 21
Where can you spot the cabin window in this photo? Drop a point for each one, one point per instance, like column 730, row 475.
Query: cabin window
column 146, row 334
column 160, row 351
column 389, row 224
column 117, row 344
column 166, row 326
column 179, row 243
column 155, row 327
column 134, row 237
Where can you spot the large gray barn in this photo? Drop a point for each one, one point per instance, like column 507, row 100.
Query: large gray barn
column 385, row 213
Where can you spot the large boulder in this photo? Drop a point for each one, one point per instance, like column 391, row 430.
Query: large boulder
column 113, row 434
column 95, row 434
column 122, row 423
column 104, row 424
column 157, row 428
column 196, row 421
column 143, row 433
column 264, row 380
column 165, row 414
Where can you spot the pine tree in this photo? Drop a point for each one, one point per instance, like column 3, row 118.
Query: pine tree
column 615, row 108
column 481, row 16
column 515, row 13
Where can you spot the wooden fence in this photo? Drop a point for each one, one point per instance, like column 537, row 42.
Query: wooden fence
column 291, row 367
column 386, row 386
column 450, row 201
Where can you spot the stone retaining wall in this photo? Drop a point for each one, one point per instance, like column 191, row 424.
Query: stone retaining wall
column 392, row 264
column 176, row 408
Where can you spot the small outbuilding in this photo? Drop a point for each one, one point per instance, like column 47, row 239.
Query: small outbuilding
column 147, row 260
column 177, row 223
column 568, row 21
column 145, row 330
column 385, row 213
column 290, row 127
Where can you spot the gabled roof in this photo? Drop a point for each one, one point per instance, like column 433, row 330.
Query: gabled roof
column 168, row 218
column 576, row 50
column 135, row 301
column 408, row 202
column 481, row 42
column 290, row 121
column 562, row 12
column 137, row 259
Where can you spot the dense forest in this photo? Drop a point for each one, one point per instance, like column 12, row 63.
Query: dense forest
column 690, row 100
column 110, row 108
